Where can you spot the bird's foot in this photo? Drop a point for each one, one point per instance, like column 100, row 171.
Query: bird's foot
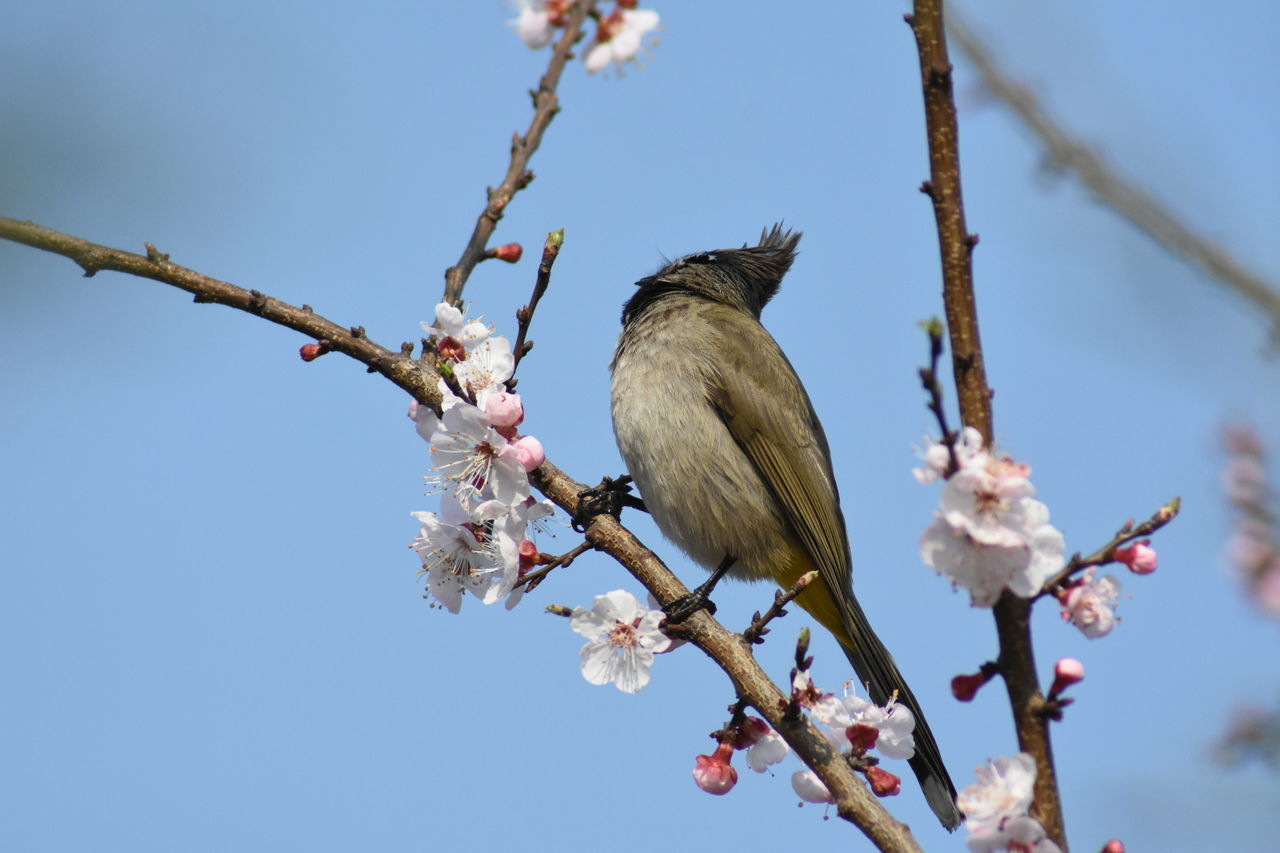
column 608, row 498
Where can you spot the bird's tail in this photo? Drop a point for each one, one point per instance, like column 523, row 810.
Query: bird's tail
column 875, row 667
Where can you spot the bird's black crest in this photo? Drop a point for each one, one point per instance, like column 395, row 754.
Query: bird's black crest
column 746, row 278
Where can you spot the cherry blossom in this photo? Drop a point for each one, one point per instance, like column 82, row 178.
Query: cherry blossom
column 990, row 533
column 476, row 459
column 453, row 556
column 619, row 38
column 622, row 638
column 1003, row 792
column 895, row 723
column 1089, row 604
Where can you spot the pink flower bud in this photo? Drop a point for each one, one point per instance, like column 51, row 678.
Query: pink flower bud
column 529, row 451
column 1066, row 673
column 862, row 737
column 310, row 352
column 1113, row 846
column 1139, row 557
column 713, row 773
column 883, row 783
column 510, row 253
column 528, row 557
column 505, row 412
column 965, row 687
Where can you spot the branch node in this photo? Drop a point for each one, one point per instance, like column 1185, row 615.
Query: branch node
column 155, row 255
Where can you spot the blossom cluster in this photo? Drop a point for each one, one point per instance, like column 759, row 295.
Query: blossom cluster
column 989, row 533
column 855, row 726
column 477, row 541
column 995, row 808
column 1254, row 548
column 618, row 38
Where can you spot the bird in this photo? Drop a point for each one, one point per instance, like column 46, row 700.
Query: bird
column 730, row 459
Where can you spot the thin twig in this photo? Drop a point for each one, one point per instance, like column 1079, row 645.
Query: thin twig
column 531, row 580
column 524, row 317
column 929, row 379
column 1107, row 553
column 546, row 104
column 759, row 624
column 1012, row 614
column 413, row 376
column 1115, row 190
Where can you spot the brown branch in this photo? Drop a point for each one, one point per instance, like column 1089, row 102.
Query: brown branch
column 524, row 317
column 854, row 801
column 413, row 376
column 760, row 624
column 1116, row 191
column 954, row 240
column 1012, row 614
column 546, row 104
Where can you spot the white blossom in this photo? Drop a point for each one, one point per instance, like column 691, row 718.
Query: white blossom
column 895, row 722
column 622, row 638
column 989, row 533
column 619, row 38
column 1003, row 791
column 475, row 459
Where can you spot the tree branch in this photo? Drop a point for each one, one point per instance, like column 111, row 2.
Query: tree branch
column 955, row 242
column 417, row 378
column 854, row 801
column 1012, row 614
column 546, row 104
column 1114, row 190
column 732, row 652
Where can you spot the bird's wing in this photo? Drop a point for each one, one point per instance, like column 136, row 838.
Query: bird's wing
column 766, row 409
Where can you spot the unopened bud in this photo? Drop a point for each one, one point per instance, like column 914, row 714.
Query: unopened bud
column 529, row 451
column 310, row 352
column 1140, row 557
column 883, row 783
column 505, row 412
column 510, row 253
column 1066, row 673
column 528, row 557
column 713, row 773
column 1113, row 846
column 965, row 687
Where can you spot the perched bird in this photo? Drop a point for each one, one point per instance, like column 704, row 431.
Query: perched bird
column 730, row 459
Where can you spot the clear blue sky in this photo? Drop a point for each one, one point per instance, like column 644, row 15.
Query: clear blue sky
column 212, row 636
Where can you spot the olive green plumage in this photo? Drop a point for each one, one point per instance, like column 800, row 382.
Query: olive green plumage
column 730, row 458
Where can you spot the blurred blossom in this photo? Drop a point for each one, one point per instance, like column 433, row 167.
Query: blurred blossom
column 1253, row 549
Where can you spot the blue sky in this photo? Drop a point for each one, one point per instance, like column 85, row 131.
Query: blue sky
column 213, row 636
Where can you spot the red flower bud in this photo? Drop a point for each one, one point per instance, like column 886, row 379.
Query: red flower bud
column 510, row 253
column 883, row 783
